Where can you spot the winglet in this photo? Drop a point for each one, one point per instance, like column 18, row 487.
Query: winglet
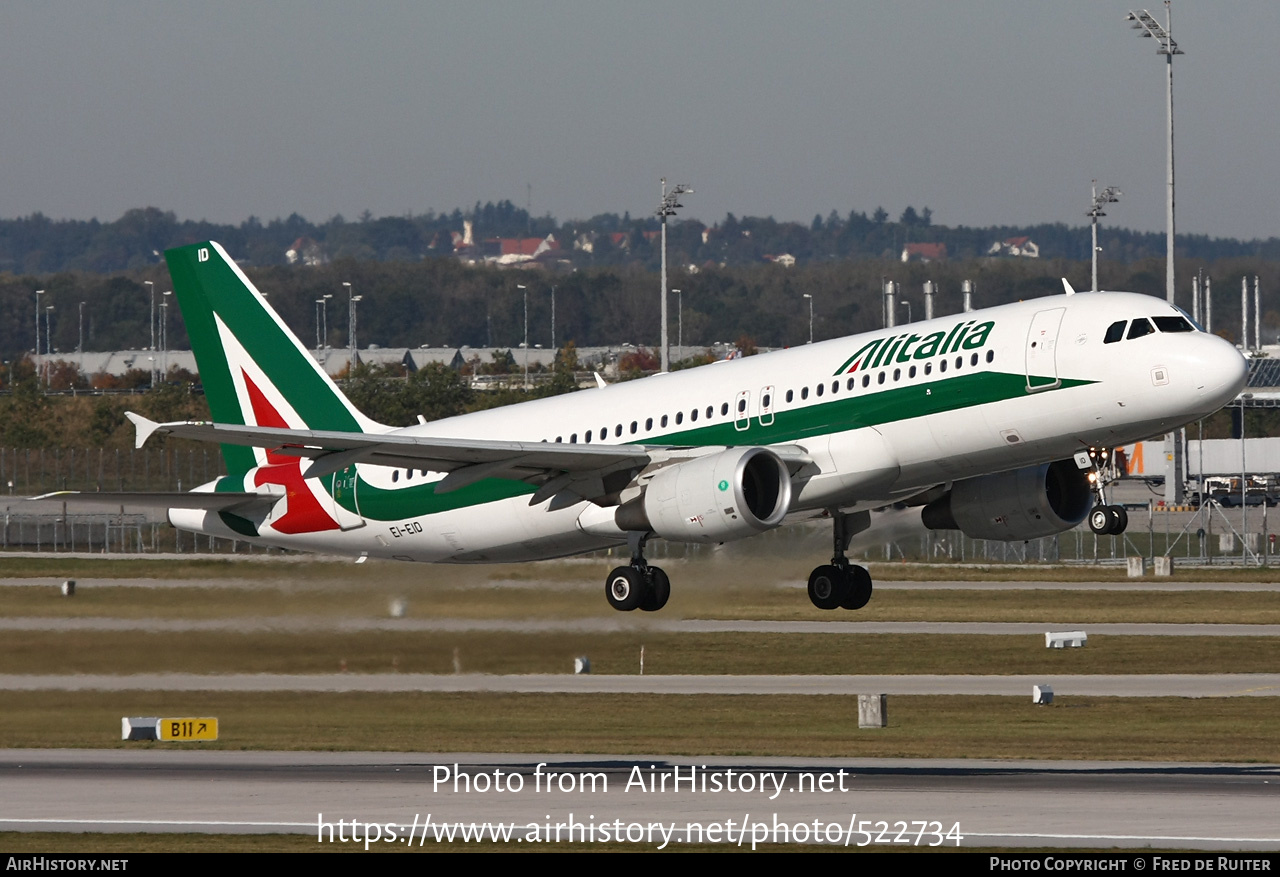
column 144, row 426
column 1066, row 284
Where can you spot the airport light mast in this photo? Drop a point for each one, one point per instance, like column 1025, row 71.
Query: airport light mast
column 525, row 291
column 679, row 323
column 36, row 361
column 670, row 203
column 1165, row 45
column 1109, row 195
column 48, row 346
column 352, row 301
column 152, row 322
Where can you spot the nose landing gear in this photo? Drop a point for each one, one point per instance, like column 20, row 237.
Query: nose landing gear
column 1104, row 519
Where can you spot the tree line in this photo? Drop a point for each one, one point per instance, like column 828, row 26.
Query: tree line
column 445, row 303
column 38, row 245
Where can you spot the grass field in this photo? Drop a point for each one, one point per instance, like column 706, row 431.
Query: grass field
column 40, row 652
column 1166, row 729
column 307, row 594
column 310, row 598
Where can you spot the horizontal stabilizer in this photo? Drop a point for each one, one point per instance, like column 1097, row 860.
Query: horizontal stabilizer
column 158, row 499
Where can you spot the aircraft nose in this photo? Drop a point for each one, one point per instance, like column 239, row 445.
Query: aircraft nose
column 1222, row 372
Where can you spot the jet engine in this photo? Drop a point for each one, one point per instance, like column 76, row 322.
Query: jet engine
column 1014, row 506
column 717, row 498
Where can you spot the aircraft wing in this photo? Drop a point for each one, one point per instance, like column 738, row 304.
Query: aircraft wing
column 569, row 472
column 578, row 469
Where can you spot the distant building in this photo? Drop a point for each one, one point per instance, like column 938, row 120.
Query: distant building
column 786, row 260
column 512, row 251
column 924, row 253
column 306, row 251
column 1019, row 247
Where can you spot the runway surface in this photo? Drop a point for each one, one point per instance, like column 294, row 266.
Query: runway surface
column 1172, row 685
column 1183, row 582
column 989, row 803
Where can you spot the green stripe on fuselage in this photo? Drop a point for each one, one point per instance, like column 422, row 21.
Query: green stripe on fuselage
column 846, row 411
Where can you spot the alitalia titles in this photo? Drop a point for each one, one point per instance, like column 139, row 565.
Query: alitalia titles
column 907, row 347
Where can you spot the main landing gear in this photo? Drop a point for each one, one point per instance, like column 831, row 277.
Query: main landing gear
column 837, row 585
column 1104, row 519
column 638, row 585
column 840, row 584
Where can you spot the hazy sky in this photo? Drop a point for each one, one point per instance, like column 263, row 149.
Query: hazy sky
column 987, row 112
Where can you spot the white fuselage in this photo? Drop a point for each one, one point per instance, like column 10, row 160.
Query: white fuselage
column 919, row 410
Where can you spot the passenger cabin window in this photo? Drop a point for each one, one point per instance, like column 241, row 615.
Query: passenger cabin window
column 1139, row 328
column 1114, row 332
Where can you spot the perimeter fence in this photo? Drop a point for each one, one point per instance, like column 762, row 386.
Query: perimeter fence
column 1208, row 535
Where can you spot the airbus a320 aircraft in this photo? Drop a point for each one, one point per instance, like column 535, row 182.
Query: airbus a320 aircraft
column 983, row 419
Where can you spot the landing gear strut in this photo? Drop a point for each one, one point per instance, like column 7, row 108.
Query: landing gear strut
column 1104, row 519
column 840, row 584
column 638, row 585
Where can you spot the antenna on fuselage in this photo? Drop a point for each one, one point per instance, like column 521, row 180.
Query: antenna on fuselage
column 1066, row 284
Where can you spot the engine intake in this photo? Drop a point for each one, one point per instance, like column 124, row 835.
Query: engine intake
column 718, row 498
column 1014, row 506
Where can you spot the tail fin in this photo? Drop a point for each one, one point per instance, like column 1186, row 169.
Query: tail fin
column 254, row 370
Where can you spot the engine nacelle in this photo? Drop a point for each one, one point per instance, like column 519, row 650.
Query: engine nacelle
column 1015, row 506
column 718, row 498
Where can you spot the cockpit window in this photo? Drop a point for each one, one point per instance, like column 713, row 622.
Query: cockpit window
column 1188, row 318
column 1172, row 324
column 1114, row 332
column 1139, row 328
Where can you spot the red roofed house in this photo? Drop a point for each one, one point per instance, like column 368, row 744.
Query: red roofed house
column 924, row 253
